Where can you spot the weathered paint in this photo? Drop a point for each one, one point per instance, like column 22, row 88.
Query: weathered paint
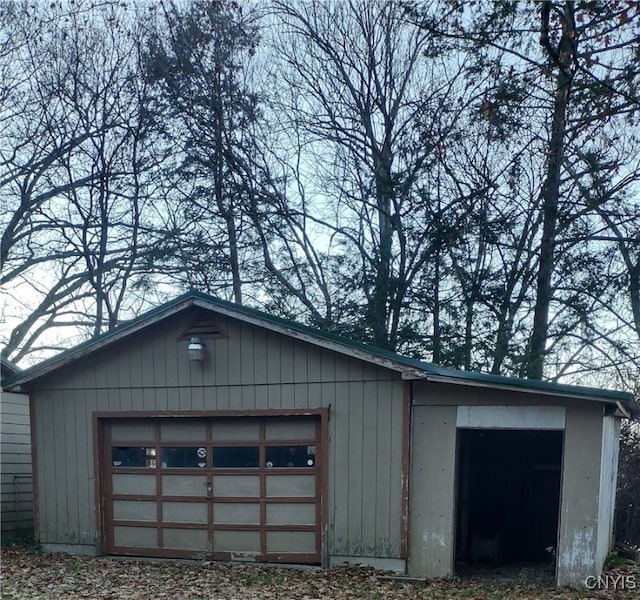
column 16, row 517
column 607, row 493
column 252, row 369
column 396, row 565
column 431, row 514
column 256, row 369
column 578, row 530
column 584, row 529
column 511, row 417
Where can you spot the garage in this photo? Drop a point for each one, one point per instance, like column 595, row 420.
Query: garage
column 227, row 488
column 208, row 430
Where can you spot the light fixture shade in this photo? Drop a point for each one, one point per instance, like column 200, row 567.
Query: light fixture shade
column 196, row 349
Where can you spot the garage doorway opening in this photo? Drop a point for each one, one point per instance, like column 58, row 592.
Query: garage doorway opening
column 508, row 501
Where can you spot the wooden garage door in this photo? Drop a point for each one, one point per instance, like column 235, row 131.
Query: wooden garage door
column 224, row 488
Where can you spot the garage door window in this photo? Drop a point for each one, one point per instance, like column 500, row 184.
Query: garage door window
column 132, row 456
column 236, row 457
column 184, row 457
column 290, row 456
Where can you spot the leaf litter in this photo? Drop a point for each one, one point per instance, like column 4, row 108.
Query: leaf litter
column 31, row 575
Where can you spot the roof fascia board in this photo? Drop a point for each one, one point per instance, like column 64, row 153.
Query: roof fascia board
column 409, row 369
column 564, row 393
column 91, row 346
column 406, row 371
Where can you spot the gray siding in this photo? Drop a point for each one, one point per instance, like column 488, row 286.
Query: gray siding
column 433, row 475
column 16, row 516
column 251, row 369
column 578, row 535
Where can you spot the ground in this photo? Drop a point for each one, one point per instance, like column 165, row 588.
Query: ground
column 28, row 574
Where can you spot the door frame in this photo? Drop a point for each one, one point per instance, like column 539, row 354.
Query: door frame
column 101, row 447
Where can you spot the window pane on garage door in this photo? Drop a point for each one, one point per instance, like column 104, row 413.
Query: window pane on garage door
column 236, row 457
column 290, row 456
column 183, row 458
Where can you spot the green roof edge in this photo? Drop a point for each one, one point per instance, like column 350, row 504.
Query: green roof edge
column 429, row 369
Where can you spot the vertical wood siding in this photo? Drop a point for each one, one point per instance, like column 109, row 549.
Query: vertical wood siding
column 251, row 369
column 16, row 516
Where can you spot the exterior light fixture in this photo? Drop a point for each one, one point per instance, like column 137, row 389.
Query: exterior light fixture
column 196, row 349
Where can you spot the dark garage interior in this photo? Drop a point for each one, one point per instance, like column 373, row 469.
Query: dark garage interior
column 508, row 497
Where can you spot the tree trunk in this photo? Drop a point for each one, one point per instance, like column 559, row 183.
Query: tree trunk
column 378, row 309
column 562, row 56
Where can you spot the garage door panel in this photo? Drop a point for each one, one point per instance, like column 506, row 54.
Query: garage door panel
column 291, row 514
column 143, row 431
column 134, row 510
column 214, row 487
column 184, row 512
column 303, row 542
column 291, row 485
column 225, row 430
column 236, row 541
column 236, row 514
column 184, row 485
column 134, row 484
column 135, row 537
column 292, row 428
column 236, row 486
column 185, row 539
column 179, row 430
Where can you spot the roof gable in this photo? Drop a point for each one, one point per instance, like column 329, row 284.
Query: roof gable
column 409, row 368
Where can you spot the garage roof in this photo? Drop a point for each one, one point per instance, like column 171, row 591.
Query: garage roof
column 409, row 368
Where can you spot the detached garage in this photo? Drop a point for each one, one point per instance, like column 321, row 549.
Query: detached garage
column 208, row 430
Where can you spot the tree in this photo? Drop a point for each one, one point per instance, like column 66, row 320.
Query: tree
column 195, row 58
column 73, row 162
column 354, row 71
column 561, row 77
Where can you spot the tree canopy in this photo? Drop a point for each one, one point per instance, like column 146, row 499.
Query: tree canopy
column 457, row 181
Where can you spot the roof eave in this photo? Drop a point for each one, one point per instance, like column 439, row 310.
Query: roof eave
column 606, row 396
column 16, row 382
column 406, row 371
